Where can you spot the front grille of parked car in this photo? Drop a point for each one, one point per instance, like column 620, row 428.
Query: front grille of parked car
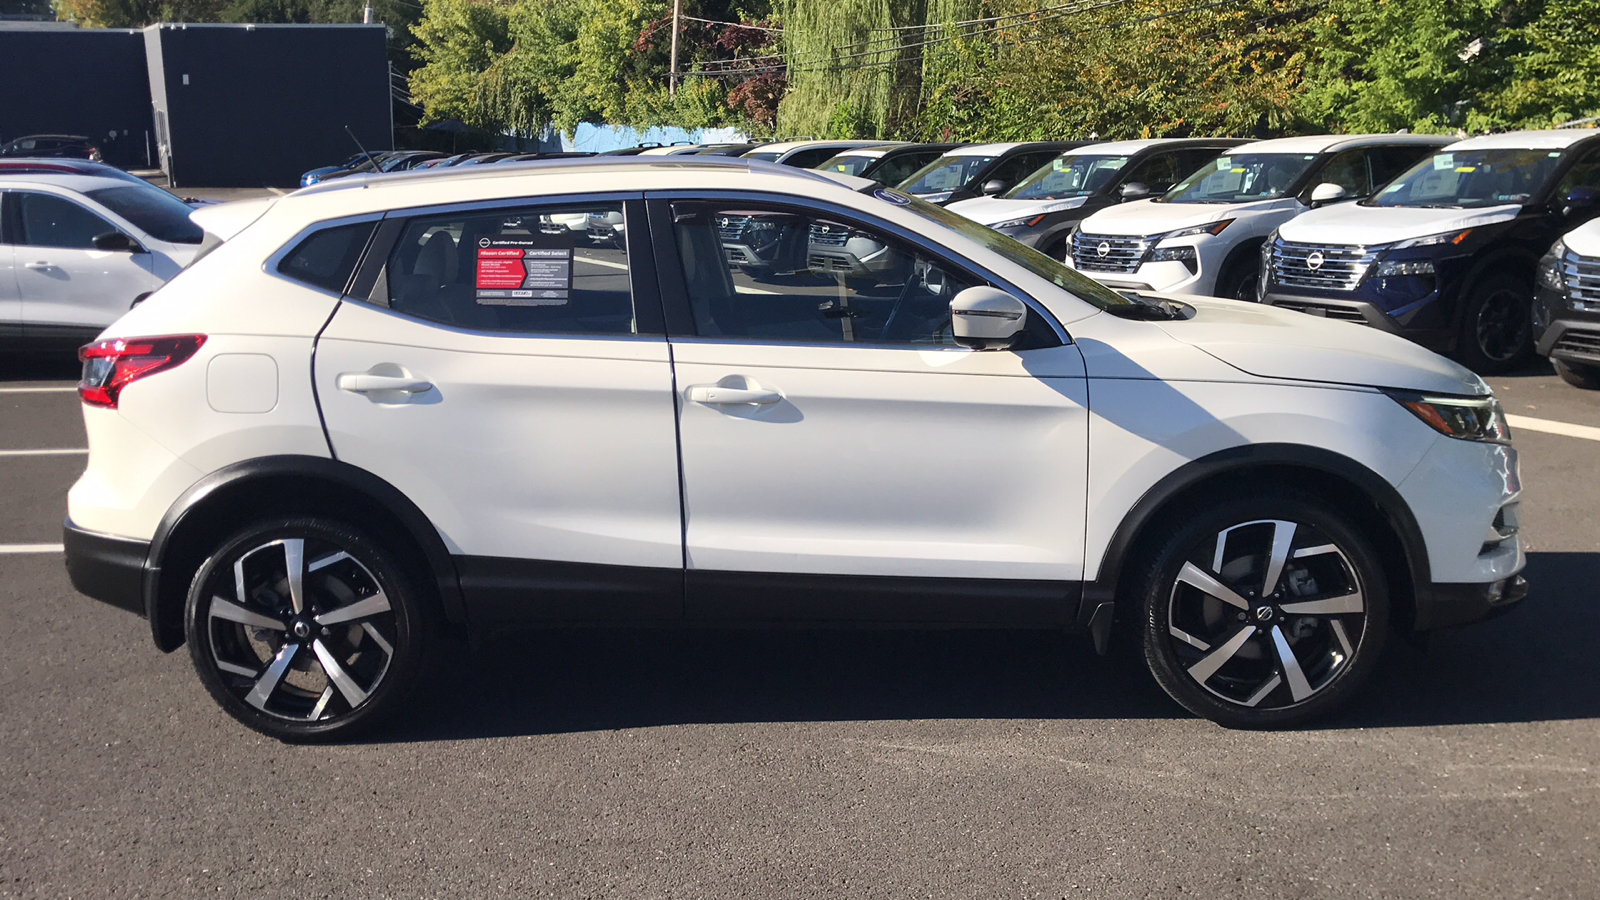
column 1583, row 281
column 1320, row 266
column 1324, row 310
column 731, row 228
column 1579, row 341
column 1104, row 253
column 825, row 235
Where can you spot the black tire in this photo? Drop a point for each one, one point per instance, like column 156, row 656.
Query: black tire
column 1577, row 374
column 1278, row 662
column 1239, row 277
column 1060, row 248
column 265, row 657
column 1496, row 325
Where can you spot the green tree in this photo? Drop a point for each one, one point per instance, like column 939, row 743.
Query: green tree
column 1557, row 76
column 457, row 43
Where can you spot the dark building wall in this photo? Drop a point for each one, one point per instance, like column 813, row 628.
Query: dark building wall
column 77, row 81
column 258, row 105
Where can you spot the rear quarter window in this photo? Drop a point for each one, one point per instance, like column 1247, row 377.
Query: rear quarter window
column 327, row 258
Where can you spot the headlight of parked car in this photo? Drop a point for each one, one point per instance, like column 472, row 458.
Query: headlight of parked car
column 1429, row 240
column 1467, row 418
column 1549, row 271
column 1029, row 222
column 1213, row 229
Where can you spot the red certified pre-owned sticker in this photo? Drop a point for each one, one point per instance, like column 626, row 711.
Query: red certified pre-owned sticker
column 500, row 268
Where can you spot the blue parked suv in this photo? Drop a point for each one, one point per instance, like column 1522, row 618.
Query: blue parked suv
column 1446, row 253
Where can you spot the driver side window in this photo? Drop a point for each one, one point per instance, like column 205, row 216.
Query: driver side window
column 779, row 275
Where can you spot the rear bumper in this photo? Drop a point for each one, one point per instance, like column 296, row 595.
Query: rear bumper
column 108, row 569
column 1444, row 605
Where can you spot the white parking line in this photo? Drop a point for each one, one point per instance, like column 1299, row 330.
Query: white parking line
column 13, row 549
column 39, row 390
column 1550, row 426
column 69, row 451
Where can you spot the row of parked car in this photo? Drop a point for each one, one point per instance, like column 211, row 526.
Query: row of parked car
column 1477, row 248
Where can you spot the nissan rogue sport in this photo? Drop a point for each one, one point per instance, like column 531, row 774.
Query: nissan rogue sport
column 389, row 403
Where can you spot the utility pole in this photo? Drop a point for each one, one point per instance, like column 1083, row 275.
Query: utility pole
column 672, row 78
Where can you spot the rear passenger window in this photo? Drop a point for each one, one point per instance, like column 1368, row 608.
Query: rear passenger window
column 326, row 258
column 552, row 270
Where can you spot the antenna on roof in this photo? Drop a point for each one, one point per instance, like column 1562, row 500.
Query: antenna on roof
column 364, row 150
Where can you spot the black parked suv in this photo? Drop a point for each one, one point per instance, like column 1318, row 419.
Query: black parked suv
column 886, row 165
column 1446, row 253
column 41, row 146
column 1566, row 311
column 979, row 170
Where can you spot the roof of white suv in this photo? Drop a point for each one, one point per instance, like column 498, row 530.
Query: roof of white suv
column 1323, row 143
column 1558, row 139
column 1128, row 148
column 80, row 183
column 553, row 177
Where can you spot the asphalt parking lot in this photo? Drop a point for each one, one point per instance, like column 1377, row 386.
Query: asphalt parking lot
column 859, row 764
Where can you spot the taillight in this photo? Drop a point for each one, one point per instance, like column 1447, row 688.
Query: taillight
column 110, row 366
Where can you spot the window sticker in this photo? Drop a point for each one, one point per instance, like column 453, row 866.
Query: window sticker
column 515, row 272
column 1224, row 163
column 1444, row 161
column 1465, row 170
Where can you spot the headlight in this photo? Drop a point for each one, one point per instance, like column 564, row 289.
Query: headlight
column 1449, row 237
column 1390, row 268
column 1213, row 229
column 939, row 197
column 1467, row 418
column 1550, row 265
column 1020, row 223
column 1172, row 254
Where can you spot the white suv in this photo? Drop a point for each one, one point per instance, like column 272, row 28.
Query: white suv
column 381, row 407
column 1204, row 236
column 76, row 251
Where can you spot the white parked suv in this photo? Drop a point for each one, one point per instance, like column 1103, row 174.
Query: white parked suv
column 1204, row 236
column 379, row 407
column 76, row 251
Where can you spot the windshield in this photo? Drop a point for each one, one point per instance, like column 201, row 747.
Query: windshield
column 1069, row 176
column 1242, row 178
column 947, row 173
column 848, row 163
column 154, row 211
column 768, row 157
column 1472, row 178
column 1080, row 286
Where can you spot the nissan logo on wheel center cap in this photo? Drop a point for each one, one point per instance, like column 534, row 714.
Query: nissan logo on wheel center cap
column 1104, row 248
column 1315, row 260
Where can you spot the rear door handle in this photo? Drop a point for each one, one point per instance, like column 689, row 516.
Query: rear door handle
column 366, row 383
column 717, row 395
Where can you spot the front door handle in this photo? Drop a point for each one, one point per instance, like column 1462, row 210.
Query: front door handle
column 38, row 265
column 717, row 395
column 367, row 383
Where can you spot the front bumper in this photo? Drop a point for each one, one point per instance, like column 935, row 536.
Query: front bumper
column 1564, row 333
column 1435, row 336
column 1443, row 605
column 108, row 569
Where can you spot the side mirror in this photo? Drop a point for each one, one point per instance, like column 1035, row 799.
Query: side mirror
column 1583, row 200
column 993, row 186
column 986, row 318
column 116, row 242
column 1134, row 190
column 1326, row 193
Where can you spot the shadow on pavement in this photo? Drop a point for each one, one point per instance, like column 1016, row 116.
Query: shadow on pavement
column 1534, row 663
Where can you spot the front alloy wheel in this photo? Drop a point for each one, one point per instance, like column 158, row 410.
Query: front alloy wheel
column 1264, row 613
column 304, row 630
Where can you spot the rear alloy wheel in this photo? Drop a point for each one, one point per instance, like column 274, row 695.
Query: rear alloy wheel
column 1263, row 613
column 305, row 630
column 1577, row 374
column 1497, row 326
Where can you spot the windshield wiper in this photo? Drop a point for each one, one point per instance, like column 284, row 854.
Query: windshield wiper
column 1148, row 308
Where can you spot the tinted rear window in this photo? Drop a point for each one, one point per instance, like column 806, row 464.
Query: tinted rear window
column 327, row 258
